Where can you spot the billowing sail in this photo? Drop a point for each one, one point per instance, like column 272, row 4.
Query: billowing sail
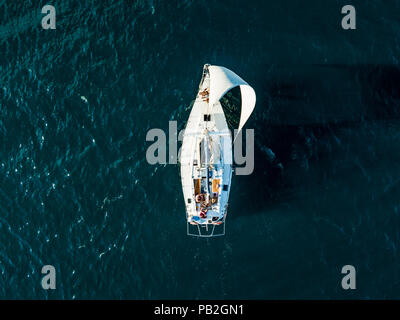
column 221, row 81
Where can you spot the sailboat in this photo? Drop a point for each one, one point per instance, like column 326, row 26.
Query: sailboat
column 206, row 153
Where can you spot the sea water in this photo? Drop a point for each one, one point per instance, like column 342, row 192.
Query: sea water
column 77, row 193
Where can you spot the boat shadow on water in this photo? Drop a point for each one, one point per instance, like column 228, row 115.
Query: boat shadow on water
column 313, row 124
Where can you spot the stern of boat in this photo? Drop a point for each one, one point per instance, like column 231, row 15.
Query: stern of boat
column 206, row 230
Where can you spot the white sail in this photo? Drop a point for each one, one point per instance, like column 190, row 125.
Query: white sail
column 221, row 81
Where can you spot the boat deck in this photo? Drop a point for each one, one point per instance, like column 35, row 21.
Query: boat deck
column 206, row 161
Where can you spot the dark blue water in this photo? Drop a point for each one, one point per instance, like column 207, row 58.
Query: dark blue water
column 76, row 191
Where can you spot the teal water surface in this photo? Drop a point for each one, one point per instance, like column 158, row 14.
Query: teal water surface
column 77, row 192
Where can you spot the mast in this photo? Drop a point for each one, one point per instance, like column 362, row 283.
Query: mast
column 206, row 145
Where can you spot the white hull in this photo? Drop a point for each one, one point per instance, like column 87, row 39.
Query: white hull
column 206, row 161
